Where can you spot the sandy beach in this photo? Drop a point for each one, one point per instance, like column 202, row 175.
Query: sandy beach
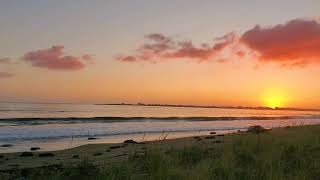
column 105, row 155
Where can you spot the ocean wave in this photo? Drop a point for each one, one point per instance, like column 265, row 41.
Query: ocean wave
column 75, row 120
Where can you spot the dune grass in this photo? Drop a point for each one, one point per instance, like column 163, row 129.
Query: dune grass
column 285, row 153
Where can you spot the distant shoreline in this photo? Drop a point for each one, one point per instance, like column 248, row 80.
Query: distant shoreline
column 217, row 107
column 176, row 105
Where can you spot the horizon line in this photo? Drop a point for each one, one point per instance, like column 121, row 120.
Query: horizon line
column 173, row 105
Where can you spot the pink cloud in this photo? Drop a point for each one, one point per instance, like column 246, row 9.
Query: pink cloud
column 295, row 43
column 163, row 47
column 127, row 58
column 54, row 59
column 5, row 75
column 157, row 45
column 205, row 51
column 188, row 50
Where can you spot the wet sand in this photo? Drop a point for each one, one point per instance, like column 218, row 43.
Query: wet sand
column 68, row 143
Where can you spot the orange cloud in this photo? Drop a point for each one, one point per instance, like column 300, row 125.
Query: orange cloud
column 295, row 43
column 54, row 59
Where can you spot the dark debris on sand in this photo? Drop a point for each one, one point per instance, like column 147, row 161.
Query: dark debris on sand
column 256, row 129
column 130, row 141
column 92, row 138
column 34, row 148
column 6, row 145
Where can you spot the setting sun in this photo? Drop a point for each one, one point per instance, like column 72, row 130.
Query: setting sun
column 274, row 99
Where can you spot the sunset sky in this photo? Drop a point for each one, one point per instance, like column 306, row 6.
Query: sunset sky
column 208, row 52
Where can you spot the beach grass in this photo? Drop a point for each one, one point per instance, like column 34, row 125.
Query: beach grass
column 282, row 153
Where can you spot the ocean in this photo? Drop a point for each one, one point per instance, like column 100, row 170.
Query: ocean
column 61, row 126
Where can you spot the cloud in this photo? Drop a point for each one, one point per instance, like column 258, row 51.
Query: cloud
column 205, row 51
column 127, row 58
column 161, row 47
column 54, row 59
column 295, row 43
column 160, row 44
column 5, row 75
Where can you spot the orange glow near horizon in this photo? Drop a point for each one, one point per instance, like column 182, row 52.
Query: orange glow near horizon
column 274, row 98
